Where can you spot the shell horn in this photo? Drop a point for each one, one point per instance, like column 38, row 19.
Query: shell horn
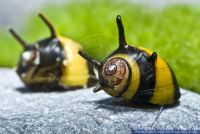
column 93, row 62
column 48, row 23
column 122, row 40
column 18, row 38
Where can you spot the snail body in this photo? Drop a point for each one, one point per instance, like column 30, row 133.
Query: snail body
column 136, row 74
column 53, row 63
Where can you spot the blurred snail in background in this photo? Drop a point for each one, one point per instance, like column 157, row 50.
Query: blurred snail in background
column 136, row 74
column 53, row 63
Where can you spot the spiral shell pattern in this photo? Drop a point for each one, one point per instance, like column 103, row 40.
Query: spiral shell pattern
column 114, row 71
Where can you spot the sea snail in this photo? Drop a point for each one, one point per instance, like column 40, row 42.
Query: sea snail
column 136, row 74
column 53, row 63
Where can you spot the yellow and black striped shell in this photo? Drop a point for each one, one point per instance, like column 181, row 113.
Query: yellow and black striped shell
column 53, row 63
column 136, row 74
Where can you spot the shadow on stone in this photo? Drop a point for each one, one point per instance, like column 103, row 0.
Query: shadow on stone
column 118, row 103
column 38, row 90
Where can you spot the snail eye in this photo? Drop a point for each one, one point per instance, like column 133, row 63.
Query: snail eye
column 114, row 71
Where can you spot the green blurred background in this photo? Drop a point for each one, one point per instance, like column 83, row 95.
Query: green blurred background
column 173, row 31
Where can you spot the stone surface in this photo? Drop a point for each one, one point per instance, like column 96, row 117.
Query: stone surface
column 82, row 111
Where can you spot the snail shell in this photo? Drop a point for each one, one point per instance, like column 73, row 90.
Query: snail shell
column 115, row 73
